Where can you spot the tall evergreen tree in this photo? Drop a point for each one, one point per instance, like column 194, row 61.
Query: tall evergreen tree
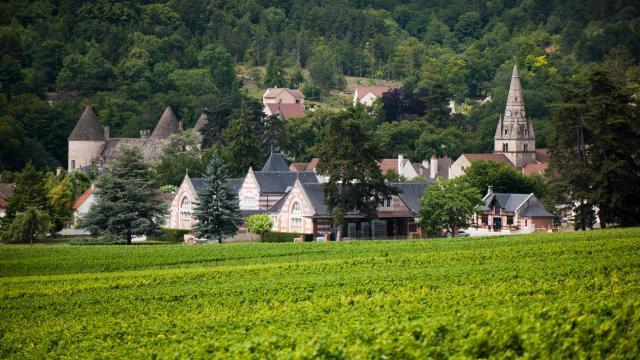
column 349, row 157
column 126, row 205
column 217, row 208
column 29, row 192
column 242, row 144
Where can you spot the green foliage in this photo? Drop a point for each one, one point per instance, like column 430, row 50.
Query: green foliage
column 324, row 70
column 448, row 205
column 242, row 145
column 107, row 239
column 220, row 65
column 504, row 179
column 180, row 155
column 259, row 224
column 172, row 235
column 29, row 192
column 125, row 203
column 311, row 91
column 28, row 226
column 279, row 237
column 577, row 297
column 217, row 210
column 349, row 157
column 275, row 74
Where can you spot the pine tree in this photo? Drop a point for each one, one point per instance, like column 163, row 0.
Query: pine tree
column 242, row 145
column 29, row 192
column 126, row 205
column 217, row 208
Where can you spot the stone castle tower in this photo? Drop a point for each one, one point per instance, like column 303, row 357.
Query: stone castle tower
column 514, row 134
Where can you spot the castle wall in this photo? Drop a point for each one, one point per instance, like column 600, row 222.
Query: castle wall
column 82, row 153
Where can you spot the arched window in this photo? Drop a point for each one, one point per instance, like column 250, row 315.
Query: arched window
column 185, row 203
column 296, row 209
column 184, row 221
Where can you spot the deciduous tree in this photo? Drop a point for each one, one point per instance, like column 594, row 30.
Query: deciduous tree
column 448, row 205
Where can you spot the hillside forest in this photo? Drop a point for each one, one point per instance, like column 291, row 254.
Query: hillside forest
column 130, row 59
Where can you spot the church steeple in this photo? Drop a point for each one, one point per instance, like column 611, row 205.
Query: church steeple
column 514, row 134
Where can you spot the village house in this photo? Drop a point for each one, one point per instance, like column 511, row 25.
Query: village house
column 303, row 210
column 514, row 140
column 6, row 190
column 513, row 212
column 367, row 95
column 82, row 204
column 286, row 103
column 90, row 142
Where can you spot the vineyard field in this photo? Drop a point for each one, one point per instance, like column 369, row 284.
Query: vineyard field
column 570, row 295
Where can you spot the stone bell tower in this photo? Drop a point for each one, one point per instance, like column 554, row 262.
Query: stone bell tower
column 514, row 134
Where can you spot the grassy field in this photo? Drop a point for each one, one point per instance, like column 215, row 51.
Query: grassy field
column 537, row 296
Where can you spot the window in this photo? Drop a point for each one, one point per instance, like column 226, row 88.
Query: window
column 505, row 131
column 485, row 219
column 526, row 146
column 505, row 147
column 249, row 201
column 184, row 221
column 73, row 164
column 385, row 203
column 525, row 222
column 509, row 220
column 296, row 209
column 186, row 203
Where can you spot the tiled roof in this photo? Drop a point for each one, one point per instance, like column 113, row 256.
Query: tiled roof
column 298, row 166
column 167, row 125
column 275, row 162
column 488, row 157
column 286, row 110
column 378, row 91
column 535, row 168
column 88, row 127
column 151, row 148
column 82, row 198
column 273, row 92
column 313, row 164
column 388, row 164
column 542, row 155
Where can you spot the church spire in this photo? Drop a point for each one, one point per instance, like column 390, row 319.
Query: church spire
column 515, row 100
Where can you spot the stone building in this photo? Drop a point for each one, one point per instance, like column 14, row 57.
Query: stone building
column 91, row 144
column 514, row 140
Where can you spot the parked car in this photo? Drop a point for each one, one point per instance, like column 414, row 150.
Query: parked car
column 462, row 233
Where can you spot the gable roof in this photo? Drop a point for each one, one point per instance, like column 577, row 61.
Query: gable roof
column 527, row 204
column 286, row 110
column 82, row 198
column 378, row 91
column 276, row 162
column 488, row 157
column 410, row 194
column 535, row 168
column 167, row 125
column 88, row 127
column 273, row 92
column 280, row 182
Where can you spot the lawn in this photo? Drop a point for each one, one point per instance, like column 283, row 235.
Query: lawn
column 541, row 295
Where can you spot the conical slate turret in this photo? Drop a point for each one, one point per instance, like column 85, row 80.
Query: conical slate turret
column 88, row 128
column 167, row 125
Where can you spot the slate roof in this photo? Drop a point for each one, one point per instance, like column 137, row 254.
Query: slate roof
column 276, row 162
column 286, row 110
column 234, row 184
column 280, row 182
column 151, row 148
column 314, row 192
column 88, row 127
column 527, row 204
column 167, row 125
column 410, row 194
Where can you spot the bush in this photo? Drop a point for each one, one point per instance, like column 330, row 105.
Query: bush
column 311, row 91
column 280, row 237
column 171, row 235
column 103, row 240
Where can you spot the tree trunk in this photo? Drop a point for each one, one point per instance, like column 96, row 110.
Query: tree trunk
column 128, row 237
column 339, row 233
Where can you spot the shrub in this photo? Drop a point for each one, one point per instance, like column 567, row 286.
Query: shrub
column 102, row 240
column 279, row 237
column 171, row 235
column 259, row 224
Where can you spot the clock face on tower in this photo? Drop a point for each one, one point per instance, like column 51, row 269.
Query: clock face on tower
column 508, row 113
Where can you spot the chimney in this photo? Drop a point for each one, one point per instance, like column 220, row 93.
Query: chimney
column 106, row 133
column 433, row 167
column 59, row 171
column 180, row 126
column 400, row 162
column 489, row 190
